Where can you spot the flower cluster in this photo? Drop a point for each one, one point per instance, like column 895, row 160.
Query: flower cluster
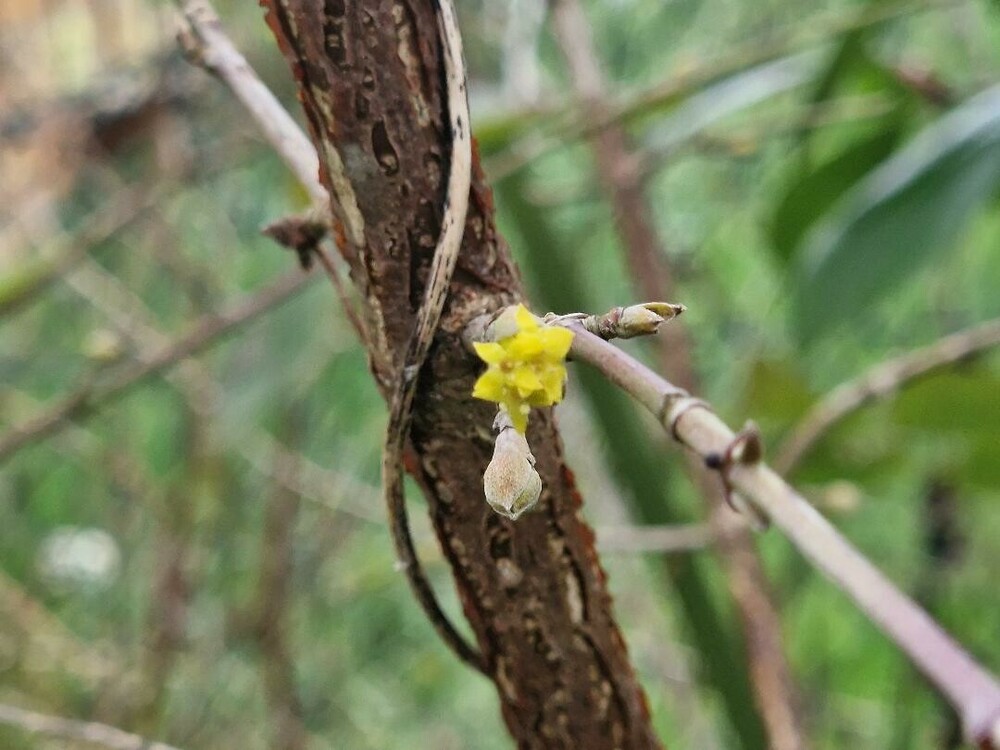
column 526, row 368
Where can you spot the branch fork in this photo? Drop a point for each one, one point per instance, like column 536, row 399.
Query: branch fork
column 511, row 484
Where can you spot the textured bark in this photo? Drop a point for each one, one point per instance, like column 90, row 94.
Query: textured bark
column 370, row 79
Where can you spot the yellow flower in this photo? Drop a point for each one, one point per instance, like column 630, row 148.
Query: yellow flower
column 526, row 368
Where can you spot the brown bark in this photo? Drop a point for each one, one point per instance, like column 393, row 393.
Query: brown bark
column 370, row 79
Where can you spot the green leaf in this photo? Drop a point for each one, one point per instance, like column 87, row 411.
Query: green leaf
column 812, row 195
column 776, row 392
column 895, row 220
column 965, row 402
column 730, row 96
column 849, row 54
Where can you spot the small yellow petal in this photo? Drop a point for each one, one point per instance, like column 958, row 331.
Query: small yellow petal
column 491, row 353
column 556, row 342
column 526, row 380
column 539, row 398
column 553, row 381
column 524, row 346
column 525, row 320
column 489, row 386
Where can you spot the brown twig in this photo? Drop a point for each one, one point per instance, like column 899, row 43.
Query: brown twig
column 575, row 123
column 970, row 689
column 388, row 84
column 294, row 472
column 77, row 731
column 92, row 396
column 618, row 167
column 208, row 46
column 878, row 382
column 670, row 539
column 273, row 606
column 67, row 250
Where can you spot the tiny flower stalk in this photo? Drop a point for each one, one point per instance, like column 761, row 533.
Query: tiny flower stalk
column 527, row 365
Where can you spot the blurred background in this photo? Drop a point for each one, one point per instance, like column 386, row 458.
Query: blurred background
column 198, row 554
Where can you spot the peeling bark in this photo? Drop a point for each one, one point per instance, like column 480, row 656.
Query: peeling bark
column 371, row 81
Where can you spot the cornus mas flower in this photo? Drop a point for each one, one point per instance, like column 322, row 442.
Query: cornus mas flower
column 526, row 369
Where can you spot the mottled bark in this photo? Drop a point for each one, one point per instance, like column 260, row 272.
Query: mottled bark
column 370, row 79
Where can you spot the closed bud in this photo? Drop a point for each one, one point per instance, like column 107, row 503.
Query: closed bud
column 511, row 484
column 635, row 320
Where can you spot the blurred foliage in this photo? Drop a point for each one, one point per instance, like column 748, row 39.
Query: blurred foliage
column 826, row 179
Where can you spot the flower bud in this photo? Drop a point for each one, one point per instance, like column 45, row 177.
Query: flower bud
column 511, row 484
column 645, row 319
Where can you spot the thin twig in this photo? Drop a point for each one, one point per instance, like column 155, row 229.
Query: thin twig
column 66, row 250
column 442, row 266
column 618, row 167
column 294, row 472
column 575, row 123
column 669, row 539
column 878, row 382
column 274, row 605
column 969, row 688
column 330, row 268
column 78, row 731
column 209, row 47
column 92, row 396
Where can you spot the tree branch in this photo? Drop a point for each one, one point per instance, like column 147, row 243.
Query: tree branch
column 208, row 46
column 880, row 381
column 574, row 123
column 77, row 731
column 371, row 79
column 92, row 396
column 668, row 539
column 618, row 168
column 970, row 689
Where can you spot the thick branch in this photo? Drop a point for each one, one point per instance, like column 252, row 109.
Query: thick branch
column 882, row 380
column 371, row 78
column 969, row 688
